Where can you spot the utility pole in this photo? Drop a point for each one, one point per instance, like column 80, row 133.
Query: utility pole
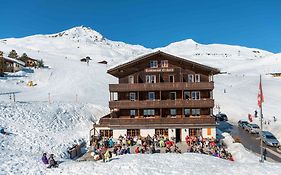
column 261, row 115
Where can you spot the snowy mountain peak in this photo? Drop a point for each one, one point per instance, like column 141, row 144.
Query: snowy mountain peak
column 81, row 33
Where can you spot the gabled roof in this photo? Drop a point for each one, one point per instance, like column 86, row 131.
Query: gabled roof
column 14, row 61
column 132, row 66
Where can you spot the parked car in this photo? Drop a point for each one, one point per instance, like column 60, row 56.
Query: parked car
column 242, row 123
column 252, row 128
column 269, row 139
column 221, row 117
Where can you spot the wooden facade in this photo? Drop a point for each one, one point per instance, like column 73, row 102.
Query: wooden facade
column 159, row 90
column 12, row 65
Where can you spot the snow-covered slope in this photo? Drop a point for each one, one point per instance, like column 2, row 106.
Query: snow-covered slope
column 79, row 94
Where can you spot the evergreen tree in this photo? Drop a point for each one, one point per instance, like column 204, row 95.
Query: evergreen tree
column 23, row 57
column 13, row 54
column 40, row 63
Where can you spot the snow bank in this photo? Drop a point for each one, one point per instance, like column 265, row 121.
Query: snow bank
column 39, row 127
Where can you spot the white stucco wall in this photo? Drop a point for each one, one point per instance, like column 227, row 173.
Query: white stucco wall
column 171, row 132
column 184, row 133
column 118, row 132
column 145, row 132
column 213, row 133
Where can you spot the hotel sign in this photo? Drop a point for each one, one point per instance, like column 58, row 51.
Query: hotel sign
column 159, row 70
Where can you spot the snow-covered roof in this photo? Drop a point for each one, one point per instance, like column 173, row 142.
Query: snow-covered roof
column 15, row 61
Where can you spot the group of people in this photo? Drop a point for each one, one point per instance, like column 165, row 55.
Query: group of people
column 104, row 148
column 49, row 161
column 209, row 146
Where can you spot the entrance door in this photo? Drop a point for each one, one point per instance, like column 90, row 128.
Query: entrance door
column 178, row 135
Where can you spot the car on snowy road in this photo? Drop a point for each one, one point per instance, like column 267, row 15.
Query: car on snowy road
column 252, row 128
column 242, row 123
column 221, row 117
column 269, row 139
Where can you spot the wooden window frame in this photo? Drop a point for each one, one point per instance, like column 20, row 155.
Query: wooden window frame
column 106, row 133
column 163, row 132
column 164, row 63
column 133, row 132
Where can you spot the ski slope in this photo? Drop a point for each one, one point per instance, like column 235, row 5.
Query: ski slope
column 79, row 95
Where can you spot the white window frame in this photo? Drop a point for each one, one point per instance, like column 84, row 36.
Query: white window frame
column 153, row 64
column 187, row 92
column 153, row 95
column 185, row 113
column 131, row 79
column 148, row 112
column 132, row 96
column 150, row 78
column 164, row 63
column 173, row 78
column 195, row 95
column 173, row 115
column 197, row 78
column 195, row 112
column 190, row 78
column 132, row 111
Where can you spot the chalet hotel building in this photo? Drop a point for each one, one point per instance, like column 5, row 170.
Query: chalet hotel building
column 159, row 93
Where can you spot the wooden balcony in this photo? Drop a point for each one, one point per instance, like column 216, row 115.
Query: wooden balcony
column 127, row 104
column 156, row 122
column 124, row 87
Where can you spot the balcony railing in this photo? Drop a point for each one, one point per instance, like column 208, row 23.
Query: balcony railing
column 156, row 121
column 127, row 104
column 124, row 87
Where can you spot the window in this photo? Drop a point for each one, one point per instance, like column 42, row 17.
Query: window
column 151, row 78
column 186, row 112
column 173, row 95
column 195, row 131
column 186, row 95
column 132, row 113
column 195, row 95
column 171, row 78
column 106, row 133
column 195, row 112
column 173, row 112
column 153, row 64
column 197, row 78
column 163, row 132
column 114, row 96
column 190, row 78
column 131, row 79
column 164, row 63
column 148, row 112
column 133, row 132
column 151, row 95
column 132, row 96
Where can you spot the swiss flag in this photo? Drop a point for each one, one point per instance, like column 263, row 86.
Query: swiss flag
column 260, row 95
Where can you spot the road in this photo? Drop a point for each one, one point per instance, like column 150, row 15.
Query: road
column 250, row 141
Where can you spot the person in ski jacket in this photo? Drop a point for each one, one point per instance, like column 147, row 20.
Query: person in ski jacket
column 45, row 159
column 106, row 156
column 52, row 162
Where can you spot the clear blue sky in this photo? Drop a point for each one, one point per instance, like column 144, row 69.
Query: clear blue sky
column 151, row 23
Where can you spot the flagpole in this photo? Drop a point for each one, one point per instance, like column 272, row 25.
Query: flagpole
column 261, row 115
